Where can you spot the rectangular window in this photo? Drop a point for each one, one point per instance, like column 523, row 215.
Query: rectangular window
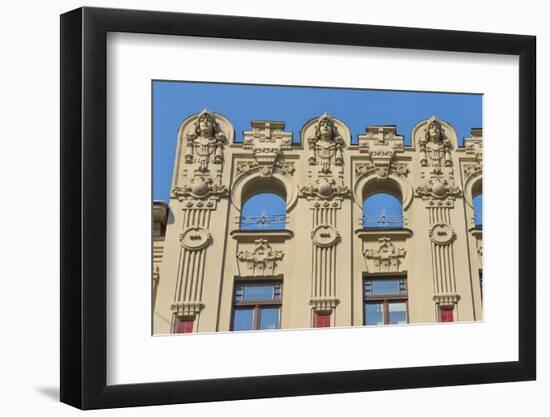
column 256, row 306
column 184, row 326
column 385, row 301
column 446, row 314
column 322, row 320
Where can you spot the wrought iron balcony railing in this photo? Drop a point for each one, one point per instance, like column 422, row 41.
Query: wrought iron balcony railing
column 262, row 222
column 382, row 220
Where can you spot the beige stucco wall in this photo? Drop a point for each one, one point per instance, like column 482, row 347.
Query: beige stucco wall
column 324, row 255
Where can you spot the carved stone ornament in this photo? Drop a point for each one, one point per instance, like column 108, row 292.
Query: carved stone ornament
column 439, row 189
column 366, row 168
column 205, row 144
column 381, row 144
column 442, row 234
column 267, row 141
column 324, row 304
column 325, row 147
column 435, row 146
column 446, row 300
column 200, row 187
column 246, row 167
column 263, row 259
column 195, row 238
column 472, row 170
column 186, row 309
column 325, row 188
column 325, row 236
column 387, row 258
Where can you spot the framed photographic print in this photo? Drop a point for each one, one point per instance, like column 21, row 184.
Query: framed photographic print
column 257, row 208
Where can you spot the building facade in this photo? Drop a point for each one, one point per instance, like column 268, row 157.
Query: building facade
column 273, row 232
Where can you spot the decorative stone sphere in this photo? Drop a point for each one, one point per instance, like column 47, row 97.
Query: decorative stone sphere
column 325, row 189
column 438, row 188
column 200, row 188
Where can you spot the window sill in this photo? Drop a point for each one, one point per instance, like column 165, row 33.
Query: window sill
column 271, row 235
column 371, row 234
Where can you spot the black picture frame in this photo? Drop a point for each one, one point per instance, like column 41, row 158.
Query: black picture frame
column 84, row 207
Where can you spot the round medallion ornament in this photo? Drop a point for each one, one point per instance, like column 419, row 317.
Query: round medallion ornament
column 325, row 189
column 438, row 188
column 195, row 238
column 200, row 188
column 324, row 236
column 442, row 234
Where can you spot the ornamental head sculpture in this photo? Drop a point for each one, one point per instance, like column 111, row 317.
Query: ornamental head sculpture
column 206, row 125
column 434, row 131
column 326, row 129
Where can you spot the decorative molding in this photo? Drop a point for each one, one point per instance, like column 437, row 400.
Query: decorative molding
column 442, row 234
column 247, row 167
column 156, row 274
column 446, row 300
column 381, row 144
column 186, row 309
column 270, row 235
column 322, row 304
column 373, row 234
column 438, row 192
column 325, row 236
column 267, row 140
column 325, row 188
column 263, row 260
column 386, row 258
column 195, row 238
column 201, row 187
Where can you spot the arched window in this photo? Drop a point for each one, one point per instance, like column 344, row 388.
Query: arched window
column 478, row 210
column 382, row 210
column 264, row 206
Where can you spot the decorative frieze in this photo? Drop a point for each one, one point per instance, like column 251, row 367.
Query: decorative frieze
column 262, row 260
column 385, row 258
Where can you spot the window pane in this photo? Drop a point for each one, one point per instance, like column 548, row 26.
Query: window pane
column 382, row 210
column 398, row 313
column 269, row 318
column 243, row 319
column 374, row 314
column 259, row 292
column 264, row 211
column 385, row 287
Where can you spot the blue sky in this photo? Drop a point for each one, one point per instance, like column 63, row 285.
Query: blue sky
column 173, row 102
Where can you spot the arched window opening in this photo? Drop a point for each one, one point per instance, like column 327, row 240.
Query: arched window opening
column 382, row 210
column 478, row 210
column 264, row 207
